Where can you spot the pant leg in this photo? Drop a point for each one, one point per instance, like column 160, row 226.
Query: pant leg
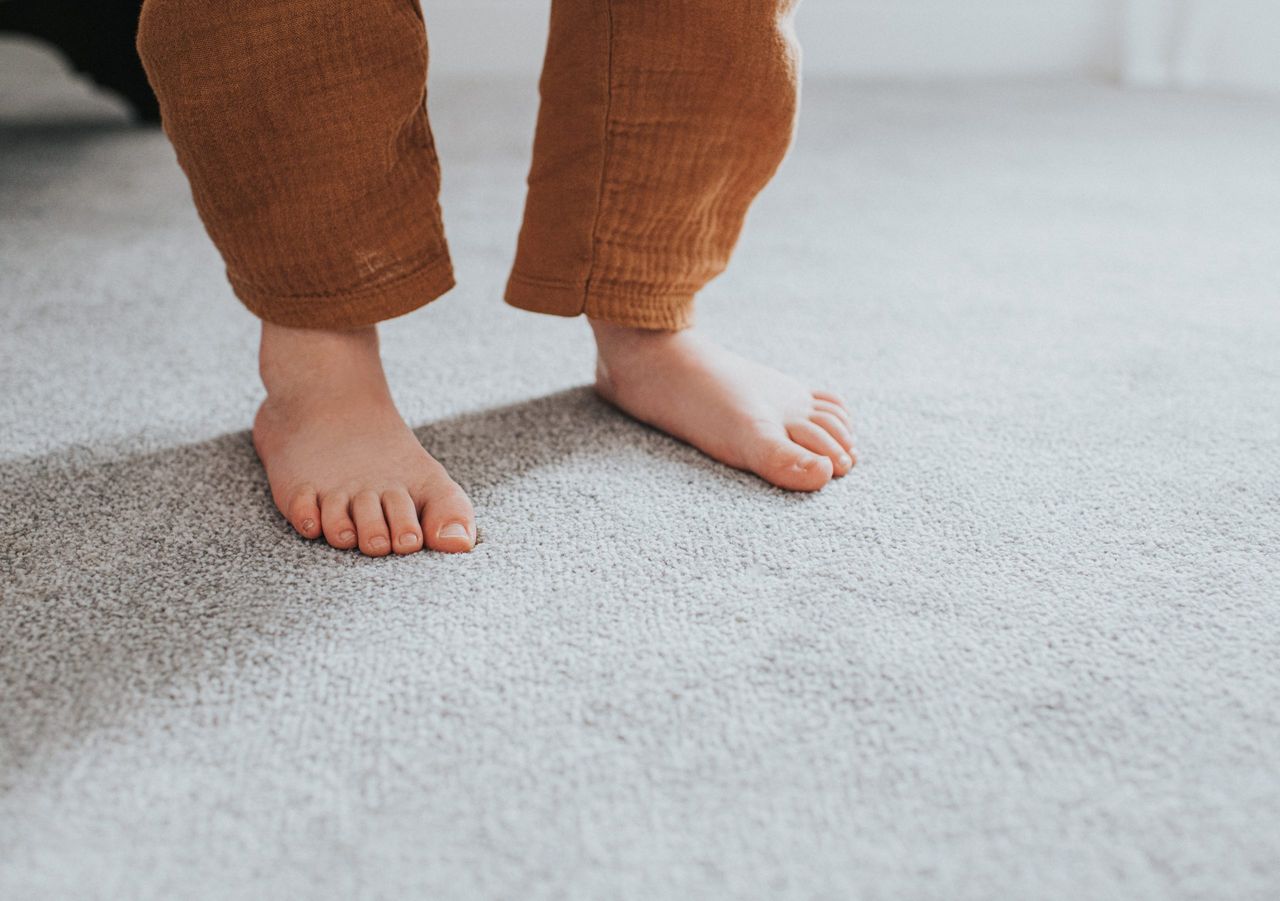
column 660, row 122
column 301, row 125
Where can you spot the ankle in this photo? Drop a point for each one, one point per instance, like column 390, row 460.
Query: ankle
column 613, row 339
column 297, row 363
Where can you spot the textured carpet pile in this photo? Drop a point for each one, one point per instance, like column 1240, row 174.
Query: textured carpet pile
column 1029, row 648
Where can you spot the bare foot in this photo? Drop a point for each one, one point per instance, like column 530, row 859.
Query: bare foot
column 340, row 460
column 743, row 414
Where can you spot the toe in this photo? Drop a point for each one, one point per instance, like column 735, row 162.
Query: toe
column 335, row 520
column 786, row 464
column 839, row 412
column 402, row 519
column 448, row 522
column 371, row 525
column 831, row 398
column 304, row 513
column 836, row 428
column 820, row 441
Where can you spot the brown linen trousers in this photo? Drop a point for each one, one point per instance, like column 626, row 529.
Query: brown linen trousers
column 302, row 127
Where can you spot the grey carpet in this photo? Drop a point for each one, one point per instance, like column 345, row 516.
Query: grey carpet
column 1030, row 648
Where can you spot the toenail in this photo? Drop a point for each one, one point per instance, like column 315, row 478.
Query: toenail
column 453, row 530
column 346, row 536
column 377, row 541
column 846, row 460
column 806, row 465
column 408, row 538
column 308, row 525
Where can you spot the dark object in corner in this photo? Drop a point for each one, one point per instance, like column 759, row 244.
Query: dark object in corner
column 96, row 38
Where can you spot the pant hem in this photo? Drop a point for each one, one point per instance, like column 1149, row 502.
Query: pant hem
column 356, row 309
column 668, row 312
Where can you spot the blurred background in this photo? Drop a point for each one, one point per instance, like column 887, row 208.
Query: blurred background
column 1187, row 44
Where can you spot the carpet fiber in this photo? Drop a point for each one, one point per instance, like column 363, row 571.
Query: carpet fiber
column 1029, row 648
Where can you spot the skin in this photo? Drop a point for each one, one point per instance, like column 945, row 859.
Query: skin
column 343, row 464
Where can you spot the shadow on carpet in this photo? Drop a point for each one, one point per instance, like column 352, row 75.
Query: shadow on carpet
column 176, row 560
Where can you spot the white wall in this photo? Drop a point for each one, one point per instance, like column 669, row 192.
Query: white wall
column 1207, row 43
column 959, row 38
column 1202, row 43
column 868, row 38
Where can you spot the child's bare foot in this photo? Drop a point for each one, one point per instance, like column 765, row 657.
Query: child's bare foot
column 340, row 460
column 741, row 413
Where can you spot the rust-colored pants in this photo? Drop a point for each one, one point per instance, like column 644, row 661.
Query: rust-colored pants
column 302, row 127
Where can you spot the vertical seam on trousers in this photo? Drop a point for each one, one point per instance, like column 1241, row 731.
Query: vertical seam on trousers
column 604, row 161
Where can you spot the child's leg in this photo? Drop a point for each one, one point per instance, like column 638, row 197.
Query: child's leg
column 302, row 128
column 660, row 123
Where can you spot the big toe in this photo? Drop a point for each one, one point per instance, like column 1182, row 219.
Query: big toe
column 814, row 437
column 786, row 464
column 448, row 520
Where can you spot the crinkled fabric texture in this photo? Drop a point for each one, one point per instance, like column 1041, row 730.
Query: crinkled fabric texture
column 302, row 127
column 1029, row 648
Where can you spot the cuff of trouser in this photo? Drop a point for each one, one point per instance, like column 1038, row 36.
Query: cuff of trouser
column 356, row 309
column 670, row 311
